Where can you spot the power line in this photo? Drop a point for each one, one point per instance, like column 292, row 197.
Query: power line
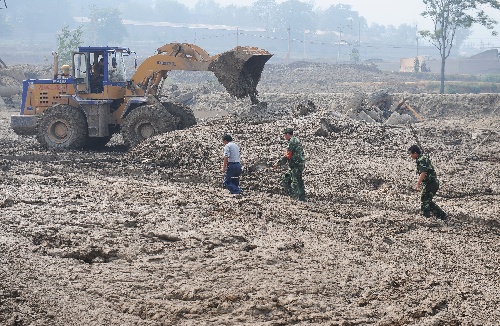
column 294, row 40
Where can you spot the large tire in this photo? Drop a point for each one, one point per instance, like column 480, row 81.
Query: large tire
column 184, row 113
column 145, row 122
column 62, row 127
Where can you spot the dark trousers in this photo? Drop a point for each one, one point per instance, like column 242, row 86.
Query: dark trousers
column 293, row 184
column 232, row 177
column 427, row 205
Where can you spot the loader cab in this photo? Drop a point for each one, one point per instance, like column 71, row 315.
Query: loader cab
column 95, row 68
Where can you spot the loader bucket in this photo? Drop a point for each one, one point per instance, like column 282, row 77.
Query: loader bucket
column 240, row 69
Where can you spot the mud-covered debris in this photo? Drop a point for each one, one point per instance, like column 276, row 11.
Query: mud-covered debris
column 325, row 128
column 164, row 236
column 305, row 108
column 399, row 119
column 380, row 99
column 8, row 202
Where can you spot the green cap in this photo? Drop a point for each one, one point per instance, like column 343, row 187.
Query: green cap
column 288, row 131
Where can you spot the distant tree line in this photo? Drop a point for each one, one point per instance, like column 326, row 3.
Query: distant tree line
column 101, row 23
column 294, row 16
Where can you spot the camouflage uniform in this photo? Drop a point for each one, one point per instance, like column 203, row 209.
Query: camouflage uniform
column 428, row 188
column 292, row 180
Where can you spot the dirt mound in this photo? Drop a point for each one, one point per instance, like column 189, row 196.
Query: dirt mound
column 11, row 80
column 263, row 140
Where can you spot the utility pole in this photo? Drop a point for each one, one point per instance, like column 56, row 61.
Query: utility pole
column 288, row 53
column 350, row 36
column 338, row 46
column 237, row 36
column 304, row 44
column 359, row 38
column 350, row 26
column 416, row 27
column 359, row 33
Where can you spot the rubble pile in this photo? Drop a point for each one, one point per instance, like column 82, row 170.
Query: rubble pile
column 350, row 144
column 361, row 92
column 11, row 80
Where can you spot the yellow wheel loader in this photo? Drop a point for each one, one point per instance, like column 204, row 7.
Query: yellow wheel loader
column 84, row 105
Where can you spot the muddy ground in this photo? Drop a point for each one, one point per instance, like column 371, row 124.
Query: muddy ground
column 148, row 236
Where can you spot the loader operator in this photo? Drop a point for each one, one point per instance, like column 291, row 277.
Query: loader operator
column 427, row 184
column 98, row 76
column 292, row 180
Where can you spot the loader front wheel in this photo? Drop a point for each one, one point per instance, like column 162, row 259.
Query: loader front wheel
column 145, row 122
column 62, row 127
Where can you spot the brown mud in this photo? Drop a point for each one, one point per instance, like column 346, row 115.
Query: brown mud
column 149, row 237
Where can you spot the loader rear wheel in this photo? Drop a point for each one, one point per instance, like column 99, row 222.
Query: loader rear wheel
column 184, row 113
column 145, row 122
column 62, row 127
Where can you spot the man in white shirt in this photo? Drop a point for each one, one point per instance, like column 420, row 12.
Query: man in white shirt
column 231, row 166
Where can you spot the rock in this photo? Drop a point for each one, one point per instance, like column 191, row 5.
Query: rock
column 365, row 117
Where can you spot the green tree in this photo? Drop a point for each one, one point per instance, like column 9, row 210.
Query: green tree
column 207, row 11
column 376, row 33
column 137, row 9
column 354, row 56
column 29, row 17
column 170, row 11
column 106, row 26
column 240, row 16
column 341, row 16
column 450, row 15
column 296, row 15
column 264, row 12
column 404, row 35
column 461, row 36
column 416, row 65
column 68, row 42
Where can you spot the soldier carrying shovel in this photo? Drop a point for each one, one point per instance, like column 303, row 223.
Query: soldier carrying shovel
column 292, row 180
column 427, row 184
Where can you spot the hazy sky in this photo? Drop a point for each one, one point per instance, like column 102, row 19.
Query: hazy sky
column 383, row 12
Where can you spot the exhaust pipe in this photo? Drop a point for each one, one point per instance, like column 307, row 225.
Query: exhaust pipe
column 56, row 64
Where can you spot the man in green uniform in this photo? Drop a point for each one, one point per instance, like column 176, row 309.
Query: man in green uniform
column 427, row 184
column 292, row 180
